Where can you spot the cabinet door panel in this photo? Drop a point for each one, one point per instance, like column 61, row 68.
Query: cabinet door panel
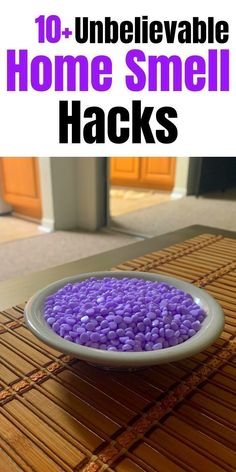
column 144, row 172
column 20, row 185
column 125, row 170
column 158, row 171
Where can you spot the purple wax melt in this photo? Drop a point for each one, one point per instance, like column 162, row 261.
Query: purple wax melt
column 125, row 314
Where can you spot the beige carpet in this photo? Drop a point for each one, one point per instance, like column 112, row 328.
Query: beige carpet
column 166, row 217
column 126, row 200
column 12, row 228
column 41, row 252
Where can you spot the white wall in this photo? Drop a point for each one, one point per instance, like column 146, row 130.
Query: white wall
column 63, row 181
column 45, row 179
column 91, row 192
column 181, row 177
column 72, row 195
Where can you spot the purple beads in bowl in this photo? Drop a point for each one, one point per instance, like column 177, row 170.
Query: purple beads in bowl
column 124, row 320
column 123, row 314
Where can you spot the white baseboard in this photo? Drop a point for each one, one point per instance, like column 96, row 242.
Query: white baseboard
column 178, row 192
column 47, row 225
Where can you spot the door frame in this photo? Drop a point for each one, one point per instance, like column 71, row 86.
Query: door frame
column 74, row 193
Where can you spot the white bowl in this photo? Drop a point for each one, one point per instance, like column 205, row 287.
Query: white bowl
column 211, row 327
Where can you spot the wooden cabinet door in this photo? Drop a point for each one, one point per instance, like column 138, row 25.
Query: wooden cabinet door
column 125, row 170
column 146, row 172
column 19, row 180
column 158, row 172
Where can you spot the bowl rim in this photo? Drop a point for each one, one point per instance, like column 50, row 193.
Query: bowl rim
column 212, row 326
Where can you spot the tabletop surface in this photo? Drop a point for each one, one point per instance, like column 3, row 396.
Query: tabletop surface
column 59, row 414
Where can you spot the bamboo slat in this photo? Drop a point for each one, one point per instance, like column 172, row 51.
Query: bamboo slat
column 60, row 414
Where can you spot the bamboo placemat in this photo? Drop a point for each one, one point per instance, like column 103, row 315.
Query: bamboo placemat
column 59, row 414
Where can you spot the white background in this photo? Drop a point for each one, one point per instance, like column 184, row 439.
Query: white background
column 29, row 120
